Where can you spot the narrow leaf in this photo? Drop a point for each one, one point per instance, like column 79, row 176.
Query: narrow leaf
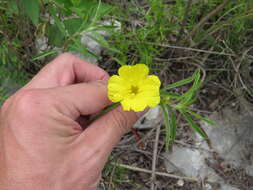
column 44, row 54
column 201, row 118
column 57, row 20
column 179, row 83
column 194, row 125
column 170, row 126
column 173, row 125
column 170, row 94
column 167, row 126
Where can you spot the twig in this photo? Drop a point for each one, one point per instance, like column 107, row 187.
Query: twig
column 145, row 137
column 111, row 177
column 153, row 176
column 157, row 173
column 192, row 49
column 207, row 17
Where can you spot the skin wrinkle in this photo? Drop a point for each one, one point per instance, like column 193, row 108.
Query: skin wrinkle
column 42, row 146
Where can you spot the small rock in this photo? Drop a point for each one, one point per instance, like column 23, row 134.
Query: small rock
column 208, row 186
column 180, row 183
column 92, row 45
column 232, row 139
column 185, row 160
column 228, row 187
column 249, row 170
column 151, row 119
column 41, row 44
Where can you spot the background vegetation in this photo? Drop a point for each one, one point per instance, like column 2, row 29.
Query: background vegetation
column 174, row 37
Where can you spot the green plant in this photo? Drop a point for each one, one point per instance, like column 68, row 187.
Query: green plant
column 172, row 103
column 205, row 34
column 69, row 21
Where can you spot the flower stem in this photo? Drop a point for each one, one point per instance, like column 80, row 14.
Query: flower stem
column 103, row 112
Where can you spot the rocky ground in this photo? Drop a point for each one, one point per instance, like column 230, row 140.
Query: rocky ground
column 223, row 163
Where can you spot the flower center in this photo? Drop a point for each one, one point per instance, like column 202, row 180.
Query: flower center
column 134, row 89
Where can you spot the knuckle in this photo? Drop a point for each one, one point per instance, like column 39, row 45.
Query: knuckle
column 121, row 120
column 27, row 101
column 104, row 75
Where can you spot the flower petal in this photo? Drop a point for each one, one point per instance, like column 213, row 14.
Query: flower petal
column 126, row 104
column 134, row 73
column 116, row 88
column 125, row 71
column 153, row 80
column 120, row 88
column 140, row 71
column 153, row 101
column 138, row 105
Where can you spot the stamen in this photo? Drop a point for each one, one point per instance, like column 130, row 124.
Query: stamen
column 134, row 89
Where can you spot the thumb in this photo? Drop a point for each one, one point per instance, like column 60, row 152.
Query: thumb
column 108, row 130
column 81, row 99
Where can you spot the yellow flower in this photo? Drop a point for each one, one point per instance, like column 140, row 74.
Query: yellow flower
column 134, row 88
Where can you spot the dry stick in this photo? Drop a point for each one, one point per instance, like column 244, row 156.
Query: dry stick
column 157, row 173
column 111, row 177
column 192, row 49
column 207, row 17
column 153, row 176
column 146, row 136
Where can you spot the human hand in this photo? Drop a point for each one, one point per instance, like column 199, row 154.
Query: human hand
column 42, row 144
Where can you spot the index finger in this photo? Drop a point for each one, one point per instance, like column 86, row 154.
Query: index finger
column 64, row 70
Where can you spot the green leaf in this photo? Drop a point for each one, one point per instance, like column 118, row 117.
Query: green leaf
column 170, row 126
column 167, row 126
column 66, row 3
column 201, row 118
column 194, row 125
column 189, row 97
column 76, row 2
column 197, row 81
column 79, row 47
column 179, row 83
column 55, row 36
column 173, row 125
column 72, row 25
column 97, row 37
column 95, row 8
column 169, row 94
column 32, row 10
column 58, row 22
column 12, row 7
column 44, row 54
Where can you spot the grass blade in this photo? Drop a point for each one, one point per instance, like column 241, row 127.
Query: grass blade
column 170, row 126
column 179, row 83
column 194, row 125
column 44, row 54
column 173, row 125
column 201, row 118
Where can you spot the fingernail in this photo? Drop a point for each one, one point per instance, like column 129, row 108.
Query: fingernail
column 102, row 82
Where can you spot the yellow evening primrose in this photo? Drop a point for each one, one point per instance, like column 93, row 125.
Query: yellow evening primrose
column 134, row 88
